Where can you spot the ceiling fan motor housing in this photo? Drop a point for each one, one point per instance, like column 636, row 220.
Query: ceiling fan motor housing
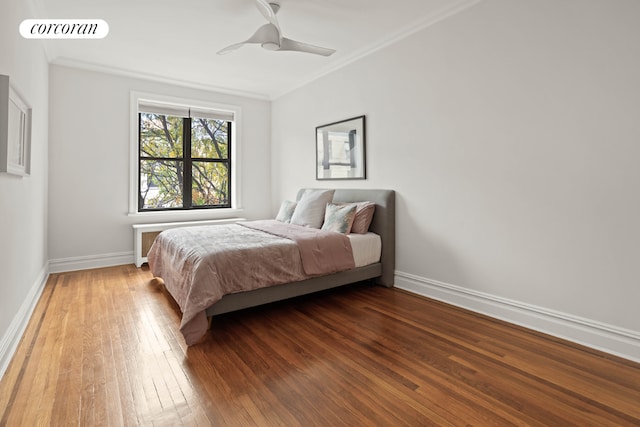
column 274, row 6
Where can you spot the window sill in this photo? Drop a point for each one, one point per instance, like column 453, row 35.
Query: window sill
column 194, row 215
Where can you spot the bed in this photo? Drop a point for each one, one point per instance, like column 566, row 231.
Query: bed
column 198, row 307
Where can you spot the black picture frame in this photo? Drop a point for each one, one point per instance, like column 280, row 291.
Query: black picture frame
column 340, row 150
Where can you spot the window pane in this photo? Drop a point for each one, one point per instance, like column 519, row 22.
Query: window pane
column 160, row 184
column 210, row 184
column 160, row 136
column 209, row 139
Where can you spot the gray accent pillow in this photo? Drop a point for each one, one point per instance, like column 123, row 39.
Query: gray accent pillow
column 286, row 211
column 338, row 218
column 310, row 209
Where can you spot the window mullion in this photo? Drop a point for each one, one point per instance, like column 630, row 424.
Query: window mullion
column 187, row 196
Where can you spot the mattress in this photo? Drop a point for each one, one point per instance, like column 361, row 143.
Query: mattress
column 366, row 248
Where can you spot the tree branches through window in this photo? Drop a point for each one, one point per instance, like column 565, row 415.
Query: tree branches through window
column 184, row 162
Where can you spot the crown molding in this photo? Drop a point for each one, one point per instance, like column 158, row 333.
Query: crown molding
column 37, row 8
column 425, row 22
column 100, row 68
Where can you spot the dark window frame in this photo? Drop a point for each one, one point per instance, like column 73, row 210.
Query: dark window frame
column 187, row 160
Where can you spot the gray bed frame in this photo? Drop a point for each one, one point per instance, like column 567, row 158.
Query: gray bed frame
column 384, row 224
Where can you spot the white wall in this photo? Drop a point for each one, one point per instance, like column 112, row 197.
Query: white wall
column 511, row 133
column 23, row 219
column 89, row 163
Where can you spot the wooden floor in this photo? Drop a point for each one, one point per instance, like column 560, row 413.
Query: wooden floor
column 103, row 348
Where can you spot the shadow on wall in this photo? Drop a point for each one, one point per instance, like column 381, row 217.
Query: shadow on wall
column 420, row 250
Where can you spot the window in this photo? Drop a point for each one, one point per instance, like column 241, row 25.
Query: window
column 184, row 157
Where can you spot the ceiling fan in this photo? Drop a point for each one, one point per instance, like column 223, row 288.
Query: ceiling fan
column 270, row 37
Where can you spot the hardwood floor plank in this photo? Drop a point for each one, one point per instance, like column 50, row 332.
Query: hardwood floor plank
column 500, row 369
column 378, row 382
column 393, row 353
column 70, row 378
column 103, row 347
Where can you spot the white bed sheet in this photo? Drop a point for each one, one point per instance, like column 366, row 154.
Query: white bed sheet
column 366, row 248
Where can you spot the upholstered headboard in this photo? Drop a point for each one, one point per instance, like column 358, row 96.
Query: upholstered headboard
column 383, row 224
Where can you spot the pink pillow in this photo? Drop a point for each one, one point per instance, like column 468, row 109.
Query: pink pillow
column 364, row 215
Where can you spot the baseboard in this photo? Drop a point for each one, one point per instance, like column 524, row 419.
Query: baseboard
column 13, row 335
column 608, row 338
column 61, row 265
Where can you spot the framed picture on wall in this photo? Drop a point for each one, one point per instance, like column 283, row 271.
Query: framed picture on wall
column 15, row 130
column 340, row 150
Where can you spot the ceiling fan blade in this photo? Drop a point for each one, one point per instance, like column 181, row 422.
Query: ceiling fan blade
column 267, row 35
column 231, row 48
column 292, row 45
column 267, row 11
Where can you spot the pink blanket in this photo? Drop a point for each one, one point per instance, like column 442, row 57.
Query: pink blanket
column 322, row 252
column 199, row 265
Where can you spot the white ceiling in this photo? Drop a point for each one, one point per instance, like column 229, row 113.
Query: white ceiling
column 177, row 41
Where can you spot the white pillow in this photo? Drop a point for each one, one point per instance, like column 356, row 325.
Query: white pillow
column 310, row 209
